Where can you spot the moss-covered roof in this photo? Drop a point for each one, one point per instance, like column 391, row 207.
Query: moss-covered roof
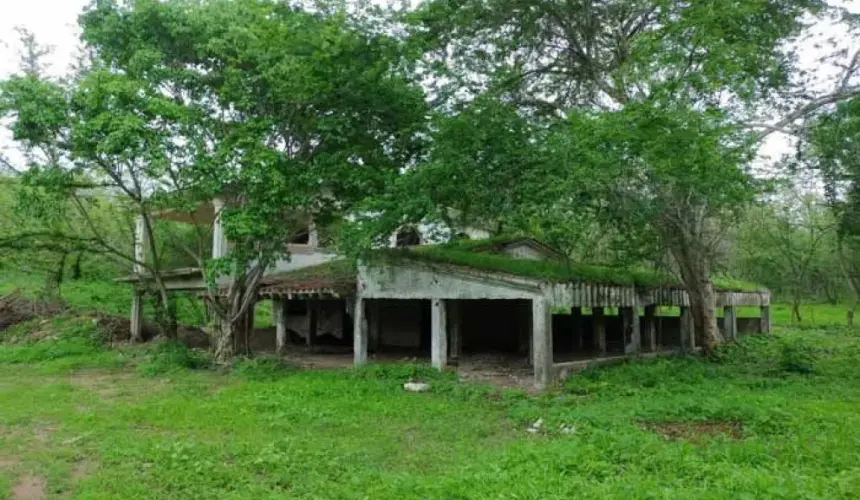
column 337, row 275
column 477, row 254
column 473, row 254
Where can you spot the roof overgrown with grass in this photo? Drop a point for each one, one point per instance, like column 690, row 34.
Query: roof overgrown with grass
column 337, row 274
column 479, row 255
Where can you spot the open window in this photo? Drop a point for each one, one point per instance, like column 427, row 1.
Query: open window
column 408, row 237
column 302, row 236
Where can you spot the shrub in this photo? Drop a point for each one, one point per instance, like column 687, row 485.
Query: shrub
column 168, row 356
column 797, row 357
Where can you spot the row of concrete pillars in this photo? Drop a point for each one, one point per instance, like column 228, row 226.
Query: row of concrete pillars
column 445, row 328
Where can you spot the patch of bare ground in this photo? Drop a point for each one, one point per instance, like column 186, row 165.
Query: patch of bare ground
column 503, row 371
column 38, row 431
column 696, row 432
column 82, row 469
column 102, row 383
column 8, row 463
column 29, row 488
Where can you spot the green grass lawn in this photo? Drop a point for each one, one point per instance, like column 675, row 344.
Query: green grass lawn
column 80, row 420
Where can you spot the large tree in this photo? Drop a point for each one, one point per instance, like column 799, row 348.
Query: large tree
column 648, row 97
column 832, row 148
column 284, row 111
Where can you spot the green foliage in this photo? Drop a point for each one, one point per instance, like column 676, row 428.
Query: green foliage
column 169, row 356
column 261, row 368
column 789, row 244
column 113, row 299
column 39, row 340
column 797, row 357
column 354, row 433
column 771, row 356
column 339, row 121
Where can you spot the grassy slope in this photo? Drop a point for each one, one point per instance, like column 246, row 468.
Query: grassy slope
column 115, row 299
column 356, row 434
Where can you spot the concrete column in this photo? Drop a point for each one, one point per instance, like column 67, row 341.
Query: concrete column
column 137, row 316
column 140, row 243
column 649, row 333
column 542, row 342
column 598, row 319
column 438, row 334
column 312, row 316
column 576, row 320
column 374, row 321
column 359, row 333
column 632, row 334
column 730, row 322
column 688, row 338
column 279, row 311
column 454, row 329
column 765, row 319
column 219, row 241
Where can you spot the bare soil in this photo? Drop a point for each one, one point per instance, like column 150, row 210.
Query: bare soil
column 29, row 488
column 696, row 431
column 15, row 308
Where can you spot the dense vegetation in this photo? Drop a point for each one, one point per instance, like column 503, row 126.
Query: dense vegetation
column 767, row 417
column 622, row 133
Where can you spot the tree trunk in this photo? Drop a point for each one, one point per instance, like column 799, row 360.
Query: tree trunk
column 76, row 267
column 54, row 280
column 795, row 311
column 685, row 240
column 232, row 314
column 165, row 314
column 703, row 304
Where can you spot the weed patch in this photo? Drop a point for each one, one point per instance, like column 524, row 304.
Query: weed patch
column 696, row 432
column 168, row 356
column 262, row 368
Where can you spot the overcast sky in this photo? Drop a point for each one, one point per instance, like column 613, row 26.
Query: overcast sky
column 54, row 23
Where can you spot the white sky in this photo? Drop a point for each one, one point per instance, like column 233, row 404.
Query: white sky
column 54, row 22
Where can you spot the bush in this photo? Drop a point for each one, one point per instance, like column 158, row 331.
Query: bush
column 797, row 357
column 168, row 356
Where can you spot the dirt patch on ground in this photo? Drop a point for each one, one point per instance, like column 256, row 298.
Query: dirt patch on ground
column 82, row 469
column 105, row 384
column 8, row 463
column 15, row 308
column 696, row 432
column 500, row 370
column 29, row 488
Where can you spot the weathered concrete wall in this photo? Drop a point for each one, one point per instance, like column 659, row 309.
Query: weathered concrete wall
column 743, row 299
column 589, row 295
column 419, row 281
column 298, row 261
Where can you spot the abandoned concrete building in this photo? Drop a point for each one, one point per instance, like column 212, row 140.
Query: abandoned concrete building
column 513, row 298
